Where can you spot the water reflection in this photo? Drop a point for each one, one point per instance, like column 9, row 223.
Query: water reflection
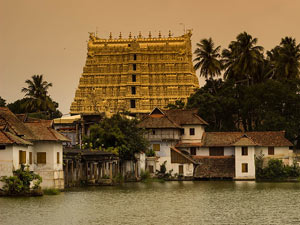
column 201, row 202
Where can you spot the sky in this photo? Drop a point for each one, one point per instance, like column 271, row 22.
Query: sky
column 49, row 37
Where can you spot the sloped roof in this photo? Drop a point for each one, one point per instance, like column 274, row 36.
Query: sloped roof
column 7, row 138
column 157, row 122
column 265, row 138
column 16, row 126
column 244, row 141
column 173, row 118
column 185, row 116
column 43, row 132
column 35, row 130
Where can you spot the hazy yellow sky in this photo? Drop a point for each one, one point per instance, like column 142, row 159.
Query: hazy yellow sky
column 49, row 36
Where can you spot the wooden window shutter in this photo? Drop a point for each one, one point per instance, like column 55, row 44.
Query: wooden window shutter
column 180, row 169
column 22, row 157
column 30, row 157
column 244, row 167
column 41, row 157
column 58, row 158
column 270, row 150
column 156, row 147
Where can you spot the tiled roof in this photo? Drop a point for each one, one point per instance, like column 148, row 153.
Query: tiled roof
column 173, row 118
column 185, row 116
column 14, row 124
column 7, row 138
column 157, row 122
column 265, row 138
column 43, row 132
column 190, row 144
column 35, row 130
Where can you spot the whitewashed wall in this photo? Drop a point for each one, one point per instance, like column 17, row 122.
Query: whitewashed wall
column 186, row 137
column 239, row 159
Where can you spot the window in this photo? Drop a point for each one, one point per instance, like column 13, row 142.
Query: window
column 134, row 57
column 150, row 168
column 182, row 131
column 2, row 147
column 193, row 150
column 57, row 158
column 270, row 150
column 132, row 103
column 244, row 150
column 216, row 151
column 192, row 131
column 41, row 157
column 22, row 157
column 134, row 66
column 153, row 132
column 244, row 167
column 30, row 157
column 180, row 170
column 133, row 91
column 156, row 147
column 133, row 78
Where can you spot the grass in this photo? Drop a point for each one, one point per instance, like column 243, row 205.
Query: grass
column 51, row 191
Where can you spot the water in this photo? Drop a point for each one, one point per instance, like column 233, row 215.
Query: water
column 202, row 202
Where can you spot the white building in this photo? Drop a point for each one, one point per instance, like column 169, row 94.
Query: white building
column 179, row 138
column 31, row 142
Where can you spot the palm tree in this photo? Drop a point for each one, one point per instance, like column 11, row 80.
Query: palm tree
column 37, row 95
column 243, row 60
column 285, row 59
column 208, row 59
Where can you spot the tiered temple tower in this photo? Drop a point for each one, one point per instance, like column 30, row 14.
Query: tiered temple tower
column 135, row 74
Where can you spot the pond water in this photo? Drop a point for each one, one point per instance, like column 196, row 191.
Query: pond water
column 201, row 202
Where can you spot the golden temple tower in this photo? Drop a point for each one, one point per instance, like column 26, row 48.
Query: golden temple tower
column 135, row 74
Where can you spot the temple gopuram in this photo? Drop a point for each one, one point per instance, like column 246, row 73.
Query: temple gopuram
column 135, row 74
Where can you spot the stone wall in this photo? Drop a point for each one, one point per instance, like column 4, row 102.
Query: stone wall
column 215, row 167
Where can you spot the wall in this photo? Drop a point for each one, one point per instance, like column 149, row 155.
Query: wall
column 282, row 153
column 204, row 151
column 173, row 134
column 186, row 137
column 239, row 159
column 6, row 161
column 51, row 172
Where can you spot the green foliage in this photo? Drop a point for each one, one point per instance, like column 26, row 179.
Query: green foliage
column 150, row 153
column 145, row 175
column 118, row 135
column 51, row 191
column 275, row 169
column 118, row 179
column 36, row 103
column 179, row 104
column 2, row 102
column 19, row 183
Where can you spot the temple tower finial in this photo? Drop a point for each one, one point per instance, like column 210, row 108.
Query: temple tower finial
column 150, row 34
column 110, row 35
column 159, row 34
column 120, row 36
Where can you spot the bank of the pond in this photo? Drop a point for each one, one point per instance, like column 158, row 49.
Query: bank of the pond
column 193, row 202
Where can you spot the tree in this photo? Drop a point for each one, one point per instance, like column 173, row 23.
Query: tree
column 243, row 59
column 208, row 59
column 179, row 104
column 118, row 135
column 284, row 59
column 2, row 102
column 37, row 95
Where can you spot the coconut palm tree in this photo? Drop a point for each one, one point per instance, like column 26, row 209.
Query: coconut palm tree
column 285, row 59
column 243, row 59
column 37, row 95
column 208, row 59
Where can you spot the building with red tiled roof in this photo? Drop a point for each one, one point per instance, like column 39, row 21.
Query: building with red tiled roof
column 32, row 142
column 209, row 154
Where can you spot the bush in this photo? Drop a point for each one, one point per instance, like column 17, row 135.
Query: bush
column 277, row 170
column 118, row 179
column 19, row 183
column 145, row 175
column 150, row 153
column 51, row 191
